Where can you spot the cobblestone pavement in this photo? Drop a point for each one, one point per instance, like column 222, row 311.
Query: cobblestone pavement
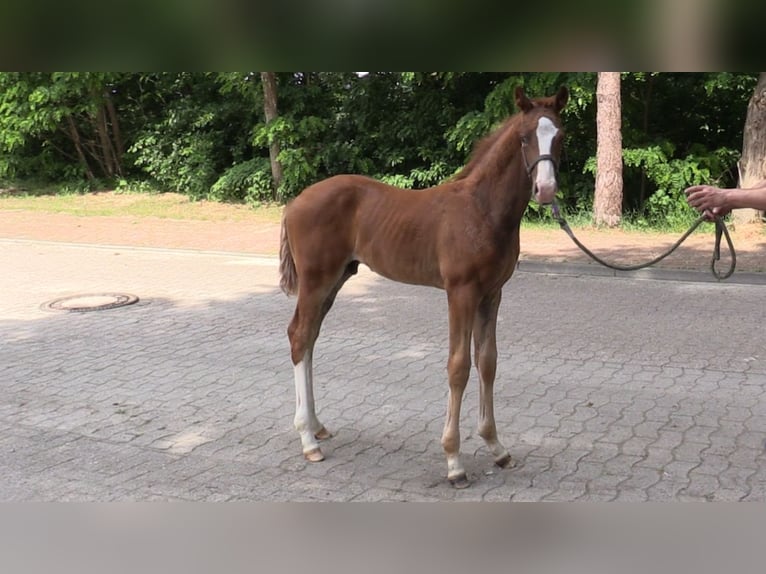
column 608, row 388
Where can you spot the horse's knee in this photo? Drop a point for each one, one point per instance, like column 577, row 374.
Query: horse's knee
column 298, row 345
column 487, row 366
column 459, row 368
column 292, row 336
column 485, row 353
column 487, row 379
column 301, row 332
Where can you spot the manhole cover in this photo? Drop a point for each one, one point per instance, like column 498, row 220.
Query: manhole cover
column 90, row 302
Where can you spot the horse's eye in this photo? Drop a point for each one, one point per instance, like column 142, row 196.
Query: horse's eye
column 524, row 140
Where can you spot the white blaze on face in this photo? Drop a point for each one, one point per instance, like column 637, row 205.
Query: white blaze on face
column 546, row 173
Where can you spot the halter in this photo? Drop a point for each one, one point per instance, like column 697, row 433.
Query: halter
column 544, row 157
column 529, row 167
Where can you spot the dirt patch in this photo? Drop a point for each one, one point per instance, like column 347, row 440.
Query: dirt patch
column 223, row 233
column 630, row 248
column 219, row 235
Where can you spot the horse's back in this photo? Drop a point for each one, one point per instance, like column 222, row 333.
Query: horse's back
column 335, row 198
column 339, row 199
column 353, row 217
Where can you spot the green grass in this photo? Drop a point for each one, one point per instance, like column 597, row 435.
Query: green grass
column 176, row 206
column 121, row 204
column 631, row 222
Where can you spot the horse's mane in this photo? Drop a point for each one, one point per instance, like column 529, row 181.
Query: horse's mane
column 483, row 146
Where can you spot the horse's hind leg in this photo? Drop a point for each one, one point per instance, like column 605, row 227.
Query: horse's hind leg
column 314, row 302
column 485, row 355
column 306, row 422
column 462, row 307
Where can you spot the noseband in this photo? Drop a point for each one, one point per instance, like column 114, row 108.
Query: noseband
column 543, row 157
column 531, row 166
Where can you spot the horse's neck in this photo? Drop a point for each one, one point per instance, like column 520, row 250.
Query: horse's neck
column 502, row 190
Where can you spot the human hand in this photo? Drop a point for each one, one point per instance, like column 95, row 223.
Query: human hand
column 709, row 200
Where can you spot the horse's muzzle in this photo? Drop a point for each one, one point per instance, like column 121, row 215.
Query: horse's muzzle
column 544, row 192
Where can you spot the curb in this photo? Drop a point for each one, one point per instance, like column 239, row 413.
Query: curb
column 271, row 260
column 649, row 274
column 523, row 266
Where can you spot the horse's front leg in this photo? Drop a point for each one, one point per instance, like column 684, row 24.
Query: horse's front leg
column 485, row 351
column 462, row 307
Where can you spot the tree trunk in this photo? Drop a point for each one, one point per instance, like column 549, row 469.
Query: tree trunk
column 106, row 157
column 607, row 203
column 269, row 81
column 647, row 101
column 753, row 164
column 119, row 147
column 75, row 136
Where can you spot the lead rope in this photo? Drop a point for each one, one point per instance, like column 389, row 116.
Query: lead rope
column 720, row 231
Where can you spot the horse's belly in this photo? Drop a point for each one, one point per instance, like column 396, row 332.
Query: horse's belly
column 404, row 269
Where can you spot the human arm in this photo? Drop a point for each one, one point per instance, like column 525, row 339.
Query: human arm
column 720, row 201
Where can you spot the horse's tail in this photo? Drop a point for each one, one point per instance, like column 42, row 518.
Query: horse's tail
column 288, row 280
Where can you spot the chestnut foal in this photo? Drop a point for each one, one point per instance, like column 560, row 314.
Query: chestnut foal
column 461, row 236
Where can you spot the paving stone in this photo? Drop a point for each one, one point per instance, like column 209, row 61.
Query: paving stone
column 188, row 395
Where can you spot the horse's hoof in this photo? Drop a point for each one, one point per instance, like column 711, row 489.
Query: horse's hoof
column 323, row 434
column 505, row 461
column 314, row 455
column 459, row 481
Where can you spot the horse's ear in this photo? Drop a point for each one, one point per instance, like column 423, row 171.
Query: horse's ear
column 562, row 97
column 522, row 101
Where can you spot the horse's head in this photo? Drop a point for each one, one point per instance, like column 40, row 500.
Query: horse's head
column 541, row 140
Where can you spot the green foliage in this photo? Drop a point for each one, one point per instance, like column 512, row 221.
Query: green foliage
column 192, row 133
column 249, row 182
column 128, row 186
column 58, row 125
column 669, row 176
column 185, row 164
column 301, row 158
column 678, row 129
column 204, row 134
